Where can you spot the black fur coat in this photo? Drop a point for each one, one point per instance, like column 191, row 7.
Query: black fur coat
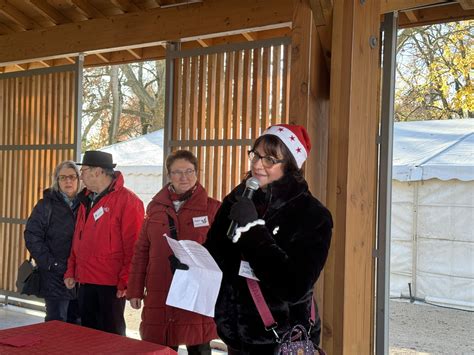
column 286, row 254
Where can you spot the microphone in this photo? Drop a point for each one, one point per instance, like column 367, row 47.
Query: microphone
column 251, row 185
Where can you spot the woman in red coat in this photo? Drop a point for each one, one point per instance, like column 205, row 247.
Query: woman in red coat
column 184, row 207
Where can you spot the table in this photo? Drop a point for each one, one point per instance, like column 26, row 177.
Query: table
column 56, row 337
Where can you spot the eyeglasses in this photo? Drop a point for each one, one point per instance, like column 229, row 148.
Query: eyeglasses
column 67, row 177
column 267, row 160
column 180, row 173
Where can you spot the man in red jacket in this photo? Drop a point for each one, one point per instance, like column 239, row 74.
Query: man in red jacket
column 108, row 222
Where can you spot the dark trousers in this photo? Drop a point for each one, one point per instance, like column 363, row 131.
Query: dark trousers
column 62, row 310
column 200, row 349
column 101, row 309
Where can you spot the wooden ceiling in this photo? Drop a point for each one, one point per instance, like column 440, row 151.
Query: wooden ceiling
column 44, row 33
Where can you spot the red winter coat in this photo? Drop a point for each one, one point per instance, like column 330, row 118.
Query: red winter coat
column 102, row 246
column 150, row 270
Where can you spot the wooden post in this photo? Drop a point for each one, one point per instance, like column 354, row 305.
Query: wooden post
column 351, row 194
column 309, row 102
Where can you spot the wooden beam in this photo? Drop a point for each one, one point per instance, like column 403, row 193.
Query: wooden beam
column 104, row 57
column 300, row 62
column 17, row 16
column 352, row 159
column 135, row 52
column 325, row 31
column 204, row 42
column 49, row 12
column 309, row 104
column 125, row 5
column 411, row 15
column 154, row 26
column 439, row 14
column 317, row 10
column 467, row 4
column 248, row 36
column 4, row 29
column 21, row 66
column 398, row 5
column 45, row 63
column 89, row 10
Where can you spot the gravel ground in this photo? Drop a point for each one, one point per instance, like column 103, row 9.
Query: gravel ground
column 425, row 329
column 414, row 329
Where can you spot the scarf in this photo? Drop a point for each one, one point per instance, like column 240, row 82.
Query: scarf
column 179, row 199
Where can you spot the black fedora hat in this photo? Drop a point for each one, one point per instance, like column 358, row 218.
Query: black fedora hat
column 97, row 158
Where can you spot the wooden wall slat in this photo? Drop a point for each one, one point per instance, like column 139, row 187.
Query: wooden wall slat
column 256, row 92
column 228, row 96
column 37, row 109
column 266, row 88
column 227, row 124
column 201, row 114
column 236, row 118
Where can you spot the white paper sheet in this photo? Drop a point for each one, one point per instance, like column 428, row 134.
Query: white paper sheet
column 195, row 289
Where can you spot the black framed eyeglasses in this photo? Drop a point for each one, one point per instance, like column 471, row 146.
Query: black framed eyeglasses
column 267, row 160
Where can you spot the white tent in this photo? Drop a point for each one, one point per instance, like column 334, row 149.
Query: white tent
column 141, row 162
column 432, row 245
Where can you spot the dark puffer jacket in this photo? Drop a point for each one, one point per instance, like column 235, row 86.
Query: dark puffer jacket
column 48, row 238
column 286, row 254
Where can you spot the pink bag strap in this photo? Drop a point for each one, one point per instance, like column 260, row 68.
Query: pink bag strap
column 262, row 306
column 264, row 311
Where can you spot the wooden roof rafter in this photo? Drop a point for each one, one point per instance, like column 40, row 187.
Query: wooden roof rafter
column 49, row 12
column 25, row 22
column 87, row 9
column 125, row 6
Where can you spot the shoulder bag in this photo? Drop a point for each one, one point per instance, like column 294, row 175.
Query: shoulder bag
column 294, row 342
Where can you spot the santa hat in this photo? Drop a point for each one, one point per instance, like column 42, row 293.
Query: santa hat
column 295, row 138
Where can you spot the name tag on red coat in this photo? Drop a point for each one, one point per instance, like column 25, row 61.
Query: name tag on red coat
column 99, row 213
column 200, row 221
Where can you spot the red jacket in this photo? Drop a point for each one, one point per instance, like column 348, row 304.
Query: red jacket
column 150, row 270
column 102, row 246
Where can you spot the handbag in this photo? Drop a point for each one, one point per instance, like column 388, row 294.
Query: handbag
column 294, row 342
column 28, row 281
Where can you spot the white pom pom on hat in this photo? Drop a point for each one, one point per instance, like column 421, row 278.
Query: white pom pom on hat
column 296, row 139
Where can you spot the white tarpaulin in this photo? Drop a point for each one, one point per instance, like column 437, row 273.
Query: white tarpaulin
column 443, row 150
column 432, row 243
column 141, row 162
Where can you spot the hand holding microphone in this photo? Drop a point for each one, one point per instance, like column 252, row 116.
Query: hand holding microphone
column 243, row 211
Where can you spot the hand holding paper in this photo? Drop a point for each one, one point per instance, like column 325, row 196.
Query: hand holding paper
column 195, row 289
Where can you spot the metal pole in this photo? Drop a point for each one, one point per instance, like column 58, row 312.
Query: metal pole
column 79, row 72
column 171, row 47
column 385, row 184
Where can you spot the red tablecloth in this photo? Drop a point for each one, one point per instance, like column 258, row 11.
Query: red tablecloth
column 62, row 338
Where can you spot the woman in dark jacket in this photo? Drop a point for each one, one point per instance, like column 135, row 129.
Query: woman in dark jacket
column 182, row 210
column 284, row 235
column 48, row 237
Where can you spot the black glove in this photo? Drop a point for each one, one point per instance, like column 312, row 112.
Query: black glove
column 176, row 264
column 243, row 211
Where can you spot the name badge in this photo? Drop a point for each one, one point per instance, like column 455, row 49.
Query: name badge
column 99, row 213
column 246, row 271
column 200, row 221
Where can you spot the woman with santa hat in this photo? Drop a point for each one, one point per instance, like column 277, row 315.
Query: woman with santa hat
column 272, row 260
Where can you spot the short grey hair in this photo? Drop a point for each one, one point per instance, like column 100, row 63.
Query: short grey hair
column 65, row 164
column 109, row 172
